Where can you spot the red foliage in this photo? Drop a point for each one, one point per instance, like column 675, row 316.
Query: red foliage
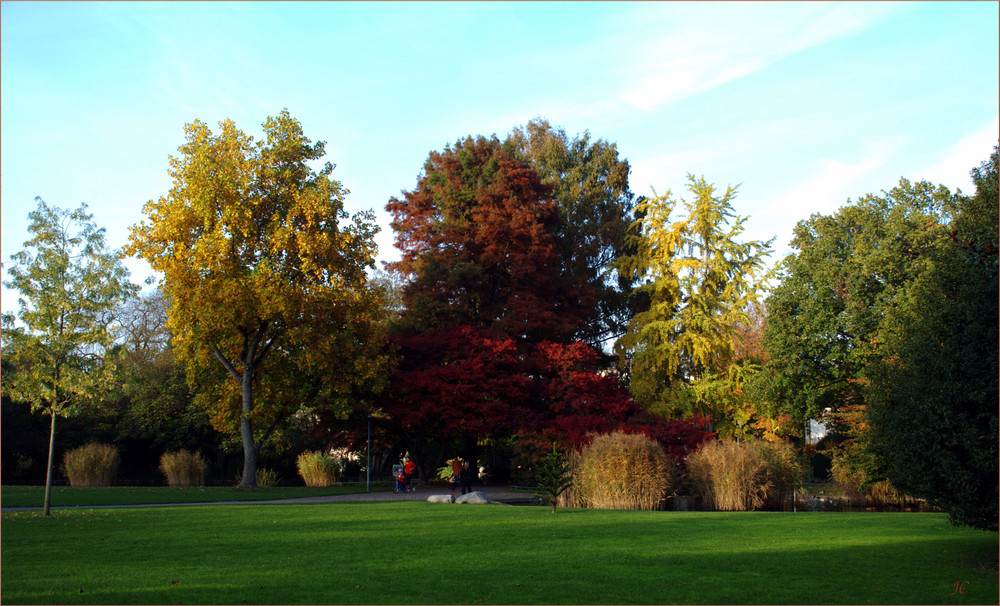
column 477, row 240
column 461, row 379
column 458, row 380
column 679, row 437
column 576, row 399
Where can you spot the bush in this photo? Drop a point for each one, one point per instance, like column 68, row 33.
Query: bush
column 623, row 471
column 267, row 478
column 317, row 468
column 92, row 464
column 743, row 476
column 183, row 468
column 853, row 478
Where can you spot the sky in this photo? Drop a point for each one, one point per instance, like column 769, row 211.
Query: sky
column 805, row 106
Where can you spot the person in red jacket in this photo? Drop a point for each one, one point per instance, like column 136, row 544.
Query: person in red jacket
column 408, row 467
column 456, row 473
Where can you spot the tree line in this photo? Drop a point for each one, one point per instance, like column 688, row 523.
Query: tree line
column 536, row 301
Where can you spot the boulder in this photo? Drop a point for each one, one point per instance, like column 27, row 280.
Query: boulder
column 476, row 498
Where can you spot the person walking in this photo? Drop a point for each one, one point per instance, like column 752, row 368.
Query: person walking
column 456, row 473
column 466, row 478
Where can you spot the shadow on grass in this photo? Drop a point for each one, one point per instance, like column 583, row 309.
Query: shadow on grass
column 410, row 553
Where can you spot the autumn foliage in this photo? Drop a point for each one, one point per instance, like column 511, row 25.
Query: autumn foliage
column 478, row 244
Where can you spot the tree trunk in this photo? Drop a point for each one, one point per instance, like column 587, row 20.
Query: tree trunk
column 250, row 449
column 48, row 470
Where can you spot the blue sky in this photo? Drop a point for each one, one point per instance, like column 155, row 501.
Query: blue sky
column 805, row 105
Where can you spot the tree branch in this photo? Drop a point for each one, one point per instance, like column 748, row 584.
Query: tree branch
column 226, row 363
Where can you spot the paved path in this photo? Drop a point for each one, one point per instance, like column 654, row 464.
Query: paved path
column 500, row 494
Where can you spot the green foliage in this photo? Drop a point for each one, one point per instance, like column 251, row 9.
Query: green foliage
column 933, row 383
column 851, row 468
column 590, row 188
column 552, row 477
column 823, row 318
column 624, row 471
column 69, row 283
column 317, row 468
column 743, row 476
column 183, row 468
column 700, row 282
column 92, row 464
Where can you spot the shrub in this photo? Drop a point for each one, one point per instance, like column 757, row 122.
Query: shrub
column 553, row 477
column 851, row 475
column 183, row 468
column 743, row 476
column 267, row 478
column 624, row 471
column 317, row 468
column 92, row 464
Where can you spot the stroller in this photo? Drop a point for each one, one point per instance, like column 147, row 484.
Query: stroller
column 400, row 485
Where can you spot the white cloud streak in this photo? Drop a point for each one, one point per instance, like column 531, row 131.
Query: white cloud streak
column 744, row 38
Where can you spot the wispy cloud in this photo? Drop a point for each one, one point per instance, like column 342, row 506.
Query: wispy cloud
column 953, row 168
column 677, row 59
column 829, row 188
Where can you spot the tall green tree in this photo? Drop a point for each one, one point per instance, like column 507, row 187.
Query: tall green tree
column 590, row 189
column 270, row 307
column 700, row 281
column 932, row 383
column 835, row 290
column 69, row 285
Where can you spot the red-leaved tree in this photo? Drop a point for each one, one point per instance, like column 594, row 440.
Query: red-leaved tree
column 478, row 244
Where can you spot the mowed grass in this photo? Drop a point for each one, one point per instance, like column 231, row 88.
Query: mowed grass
column 64, row 496
column 421, row 553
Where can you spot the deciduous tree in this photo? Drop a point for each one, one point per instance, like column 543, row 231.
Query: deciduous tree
column 700, row 281
column 824, row 315
column 590, row 189
column 69, row 284
column 932, row 381
column 479, row 246
column 270, row 307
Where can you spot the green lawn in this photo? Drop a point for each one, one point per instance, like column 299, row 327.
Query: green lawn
column 416, row 552
column 34, row 496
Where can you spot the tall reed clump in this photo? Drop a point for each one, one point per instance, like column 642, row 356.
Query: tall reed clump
column 317, row 468
column 267, row 478
column 743, row 476
column 92, row 464
column 183, row 468
column 623, row 471
column 853, row 480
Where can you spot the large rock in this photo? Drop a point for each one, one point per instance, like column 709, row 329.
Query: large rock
column 476, row 498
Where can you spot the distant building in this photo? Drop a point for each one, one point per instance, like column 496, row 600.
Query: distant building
column 815, row 430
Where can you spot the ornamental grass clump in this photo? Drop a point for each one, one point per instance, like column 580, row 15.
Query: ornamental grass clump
column 92, row 464
column 183, row 468
column 623, row 471
column 853, row 480
column 267, row 478
column 317, row 468
column 743, row 476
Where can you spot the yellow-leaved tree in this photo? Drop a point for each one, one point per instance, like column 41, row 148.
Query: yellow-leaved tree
column 700, row 281
column 270, row 308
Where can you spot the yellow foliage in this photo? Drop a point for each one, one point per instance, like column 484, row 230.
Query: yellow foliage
column 264, row 271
